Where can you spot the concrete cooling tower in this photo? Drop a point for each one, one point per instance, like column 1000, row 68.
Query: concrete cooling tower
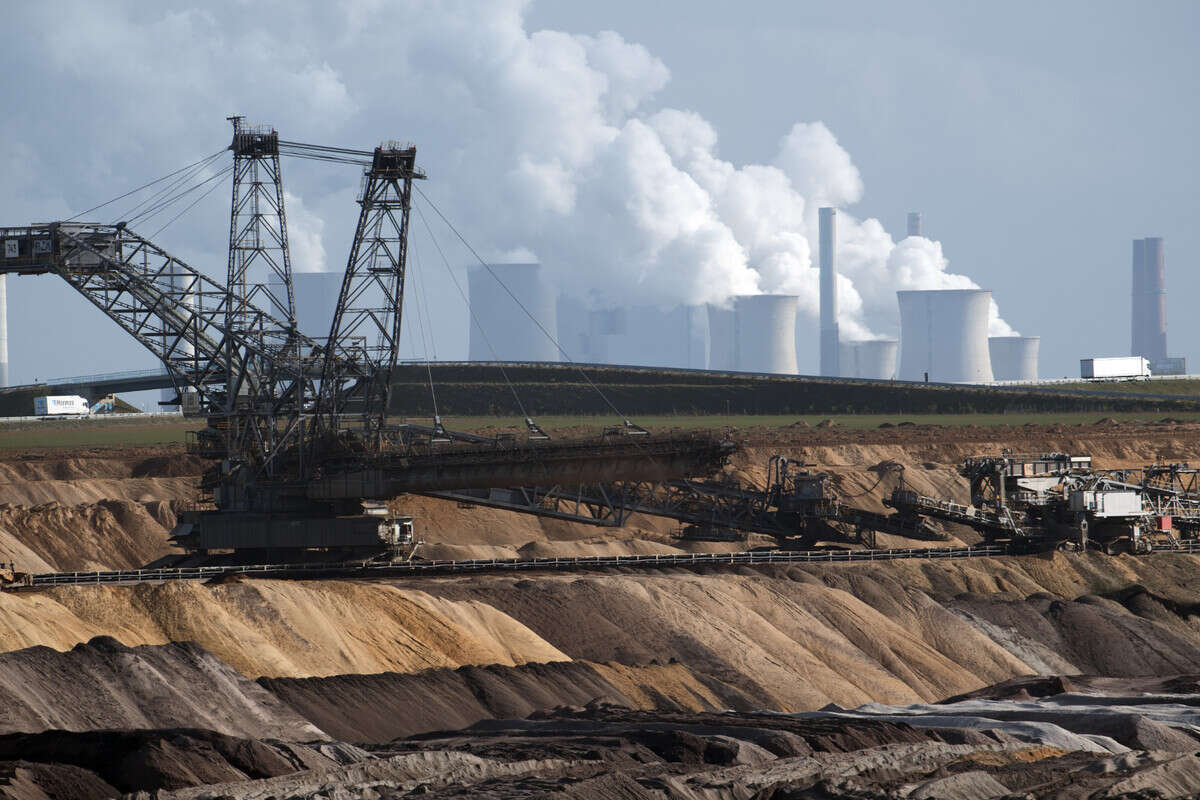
column 722, row 346
column 315, row 295
column 511, row 334
column 765, row 333
column 1014, row 358
column 944, row 333
column 648, row 336
column 873, row 359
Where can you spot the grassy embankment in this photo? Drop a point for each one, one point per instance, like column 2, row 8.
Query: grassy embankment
column 117, row 433
column 1181, row 388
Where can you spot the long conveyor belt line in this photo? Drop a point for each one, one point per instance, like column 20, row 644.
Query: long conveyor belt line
column 367, row 570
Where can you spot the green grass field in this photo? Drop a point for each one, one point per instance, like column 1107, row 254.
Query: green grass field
column 1181, row 388
column 93, row 434
column 104, row 434
column 851, row 421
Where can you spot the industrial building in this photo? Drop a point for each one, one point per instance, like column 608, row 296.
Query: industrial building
column 501, row 330
column 1014, row 358
column 873, row 359
column 944, row 335
column 765, row 333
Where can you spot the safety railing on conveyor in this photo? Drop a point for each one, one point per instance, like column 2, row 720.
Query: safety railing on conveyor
column 368, row 569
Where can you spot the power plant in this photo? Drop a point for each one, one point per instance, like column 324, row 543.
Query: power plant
column 827, row 236
column 872, row 359
column 1014, row 358
column 944, row 335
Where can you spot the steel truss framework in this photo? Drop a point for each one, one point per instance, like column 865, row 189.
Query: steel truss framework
column 180, row 315
column 707, row 505
column 365, row 334
column 258, row 238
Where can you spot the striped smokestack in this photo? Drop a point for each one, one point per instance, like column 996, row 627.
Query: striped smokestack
column 829, row 305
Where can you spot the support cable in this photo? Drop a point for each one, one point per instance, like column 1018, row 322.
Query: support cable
column 471, row 311
column 557, row 346
column 153, row 212
column 182, row 180
column 418, row 287
column 193, row 203
column 144, row 186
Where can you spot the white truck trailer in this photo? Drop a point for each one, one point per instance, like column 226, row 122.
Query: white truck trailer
column 61, row 405
column 1123, row 368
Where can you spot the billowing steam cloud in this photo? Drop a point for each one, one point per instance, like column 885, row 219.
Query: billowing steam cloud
column 544, row 143
column 626, row 202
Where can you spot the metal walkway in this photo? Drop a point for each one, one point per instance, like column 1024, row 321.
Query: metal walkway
column 366, row 570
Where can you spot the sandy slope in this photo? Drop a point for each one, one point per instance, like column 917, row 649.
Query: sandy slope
column 105, row 685
column 791, row 639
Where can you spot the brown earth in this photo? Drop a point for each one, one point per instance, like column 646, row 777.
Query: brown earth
column 359, row 657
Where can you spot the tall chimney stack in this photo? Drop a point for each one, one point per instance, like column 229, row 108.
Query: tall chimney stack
column 829, row 305
column 914, row 224
column 1149, row 306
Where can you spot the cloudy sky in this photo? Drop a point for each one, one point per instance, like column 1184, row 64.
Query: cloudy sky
column 653, row 153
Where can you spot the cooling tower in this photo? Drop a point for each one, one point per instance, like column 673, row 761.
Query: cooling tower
column 722, row 346
column 765, row 333
column 315, row 295
column 512, row 335
column 829, row 305
column 1014, row 358
column 648, row 336
column 874, row 359
column 1149, row 317
column 945, row 333
column 915, row 226
column 3, row 331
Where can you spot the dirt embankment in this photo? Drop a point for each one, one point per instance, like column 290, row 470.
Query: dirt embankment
column 787, row 638
column 109, row 510
column 80, row 511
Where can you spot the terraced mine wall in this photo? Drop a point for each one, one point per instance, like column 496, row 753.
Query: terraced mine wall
column 481, row 389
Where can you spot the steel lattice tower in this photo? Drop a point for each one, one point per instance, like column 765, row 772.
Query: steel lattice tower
column 365, row 333
column 260, row 264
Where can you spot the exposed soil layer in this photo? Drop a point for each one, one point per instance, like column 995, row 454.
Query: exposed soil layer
column 604, row 752
column 104, row 685
column 601, row 684
column 379, row 708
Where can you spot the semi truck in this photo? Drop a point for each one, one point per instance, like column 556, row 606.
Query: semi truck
column 62, row 405
column 1123, row 368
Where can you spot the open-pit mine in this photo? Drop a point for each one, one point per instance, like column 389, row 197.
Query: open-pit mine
column 1059, row 671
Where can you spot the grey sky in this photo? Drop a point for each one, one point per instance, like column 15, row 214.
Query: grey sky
column 1038, row 139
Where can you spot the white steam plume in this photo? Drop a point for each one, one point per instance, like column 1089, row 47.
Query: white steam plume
column 536, row 142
